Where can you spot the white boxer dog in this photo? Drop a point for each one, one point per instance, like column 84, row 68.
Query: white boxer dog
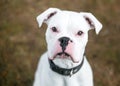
column 64, row 63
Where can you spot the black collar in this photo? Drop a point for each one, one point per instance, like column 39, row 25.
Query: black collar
column 63, row 71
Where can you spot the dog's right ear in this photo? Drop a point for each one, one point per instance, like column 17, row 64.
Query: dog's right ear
column 46, row 15
column 92, row 21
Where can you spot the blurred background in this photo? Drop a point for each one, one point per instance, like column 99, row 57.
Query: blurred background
column 22, row 42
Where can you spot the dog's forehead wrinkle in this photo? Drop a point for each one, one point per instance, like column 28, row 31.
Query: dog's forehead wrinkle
column 68, row 20
column 60, row 19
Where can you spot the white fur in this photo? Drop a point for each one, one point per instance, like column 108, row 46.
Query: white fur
column 68, row 24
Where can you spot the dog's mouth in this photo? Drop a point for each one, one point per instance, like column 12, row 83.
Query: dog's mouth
column 64, row 55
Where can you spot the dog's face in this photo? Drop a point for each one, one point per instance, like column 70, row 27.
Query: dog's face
column 67, row 33
column 72, row 29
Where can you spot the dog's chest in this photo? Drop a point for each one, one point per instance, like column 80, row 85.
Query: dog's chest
column 59, row 80
column 63, row 82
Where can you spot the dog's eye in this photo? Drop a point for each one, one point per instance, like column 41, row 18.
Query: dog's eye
column 79, row 33
column 54, row 29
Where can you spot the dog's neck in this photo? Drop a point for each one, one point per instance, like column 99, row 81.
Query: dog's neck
column 66, row 71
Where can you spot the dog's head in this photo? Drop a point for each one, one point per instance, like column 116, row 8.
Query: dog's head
column 67, row 33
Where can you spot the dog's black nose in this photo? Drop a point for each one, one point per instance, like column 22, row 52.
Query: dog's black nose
column 64, row 42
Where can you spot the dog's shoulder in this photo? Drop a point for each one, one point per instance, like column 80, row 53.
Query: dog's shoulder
column 42, row 60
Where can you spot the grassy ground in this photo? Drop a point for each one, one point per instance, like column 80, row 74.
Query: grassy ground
column 21, row 42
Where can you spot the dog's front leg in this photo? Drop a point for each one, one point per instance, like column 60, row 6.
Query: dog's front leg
column 86, row 74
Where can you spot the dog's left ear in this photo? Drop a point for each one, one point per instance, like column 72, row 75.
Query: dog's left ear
column 92, row 21
column 46, row 16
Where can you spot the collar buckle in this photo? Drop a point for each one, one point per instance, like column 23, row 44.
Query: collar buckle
column 71, row 73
